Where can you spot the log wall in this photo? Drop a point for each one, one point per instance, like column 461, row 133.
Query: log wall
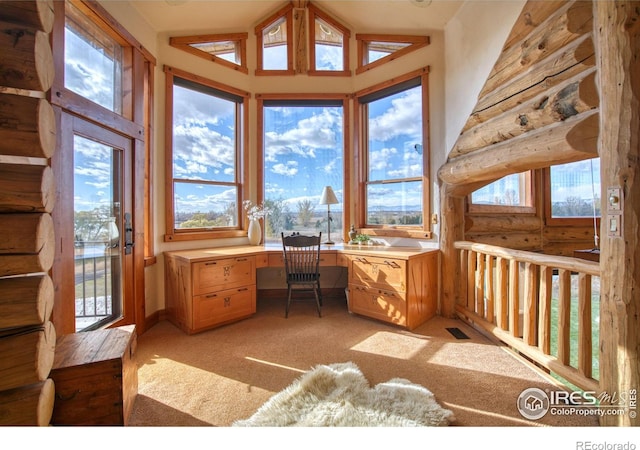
column 27, row 194
column 539, row 105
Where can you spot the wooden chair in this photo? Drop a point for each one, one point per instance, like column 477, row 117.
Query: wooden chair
column 302, row 264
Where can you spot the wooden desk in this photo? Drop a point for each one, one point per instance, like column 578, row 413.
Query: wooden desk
column 207, row 288
column 589, row 255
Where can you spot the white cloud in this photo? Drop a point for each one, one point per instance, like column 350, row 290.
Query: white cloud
column 290, row 168
column 401, row 119
column 320, row 131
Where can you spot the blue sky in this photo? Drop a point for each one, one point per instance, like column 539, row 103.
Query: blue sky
column 303, row 145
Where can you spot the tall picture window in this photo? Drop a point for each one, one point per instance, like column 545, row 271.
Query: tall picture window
column 303, row 151
column 394, row 174
column 206, row 124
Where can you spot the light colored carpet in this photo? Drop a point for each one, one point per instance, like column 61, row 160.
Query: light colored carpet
column 340, row 395
column 223, row 375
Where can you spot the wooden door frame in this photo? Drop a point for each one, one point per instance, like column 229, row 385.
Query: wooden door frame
column 63, row 270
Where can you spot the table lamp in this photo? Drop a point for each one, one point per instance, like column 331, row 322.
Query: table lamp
column 328, row 198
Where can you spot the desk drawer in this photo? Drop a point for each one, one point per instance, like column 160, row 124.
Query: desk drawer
column 383, row 273
column 223, row 306
column 379, row 304
column 209, row 276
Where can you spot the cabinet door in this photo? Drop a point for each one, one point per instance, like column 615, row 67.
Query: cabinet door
column 380, row 304
column 209, row 276
column 223, row 306
column 383, row 273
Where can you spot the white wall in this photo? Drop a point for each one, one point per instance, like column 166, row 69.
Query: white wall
column 474, row 38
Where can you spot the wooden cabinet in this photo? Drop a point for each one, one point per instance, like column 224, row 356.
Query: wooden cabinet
column 398, row 289
column 204, row 292
column 95, row 377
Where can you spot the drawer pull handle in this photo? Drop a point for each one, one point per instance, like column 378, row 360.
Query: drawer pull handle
column 212, row 295
column 243, row 289
column 211, row 263
column 241, row 259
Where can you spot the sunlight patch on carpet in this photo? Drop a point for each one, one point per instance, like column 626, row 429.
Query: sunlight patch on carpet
column 391, row 345
column 340, row 395
column 268, row 363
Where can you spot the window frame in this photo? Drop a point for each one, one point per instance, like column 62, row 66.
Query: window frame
column 363, row 40
column 239, row 39
column 241, row 144
column 563, row 221
column 528, row 208
column 316, row 13
column 135, row 122
column 346, row 168
column 361, row 158
column 285, row 12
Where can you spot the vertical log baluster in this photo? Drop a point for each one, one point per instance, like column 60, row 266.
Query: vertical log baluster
column 480, row 284
column 514, row 292
column 471, row 276
column 564, row 317
column 502, row 292
column 490, row 290
column 585, row 356
column 530, row 303
column 544, row 300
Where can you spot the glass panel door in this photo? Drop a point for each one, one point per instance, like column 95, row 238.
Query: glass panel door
column 98, row 222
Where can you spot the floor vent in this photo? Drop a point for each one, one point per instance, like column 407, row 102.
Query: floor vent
column 457, row 333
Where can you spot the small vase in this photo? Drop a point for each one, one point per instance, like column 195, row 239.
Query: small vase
column 255, row 232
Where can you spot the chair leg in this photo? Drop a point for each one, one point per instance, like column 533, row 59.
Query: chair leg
column 316, row 291
column 286, row 311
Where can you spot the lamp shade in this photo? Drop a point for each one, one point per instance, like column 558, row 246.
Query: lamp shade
column 328, row 196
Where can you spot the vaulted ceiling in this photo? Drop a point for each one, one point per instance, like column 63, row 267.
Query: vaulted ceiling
column 362, row 16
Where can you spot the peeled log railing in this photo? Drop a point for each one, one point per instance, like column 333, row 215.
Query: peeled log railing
column 509, row 294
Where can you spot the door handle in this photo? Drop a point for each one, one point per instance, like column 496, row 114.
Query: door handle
column 128, row 234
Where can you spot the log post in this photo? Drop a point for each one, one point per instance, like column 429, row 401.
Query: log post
column 25, row 301
column 451, row 230
column 617, row 32
column 26, row 356
column 27, row 126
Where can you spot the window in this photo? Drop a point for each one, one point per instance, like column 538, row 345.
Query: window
column 275, row 47
column 377, row 49
column 303, row 151
column 393, row 135
column 328, row 45
column 92, row 61
column 573, row 192
column 229, row 50
column 510, row 194
column 205, row 123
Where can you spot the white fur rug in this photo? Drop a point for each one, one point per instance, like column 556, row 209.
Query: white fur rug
column 340, row 395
